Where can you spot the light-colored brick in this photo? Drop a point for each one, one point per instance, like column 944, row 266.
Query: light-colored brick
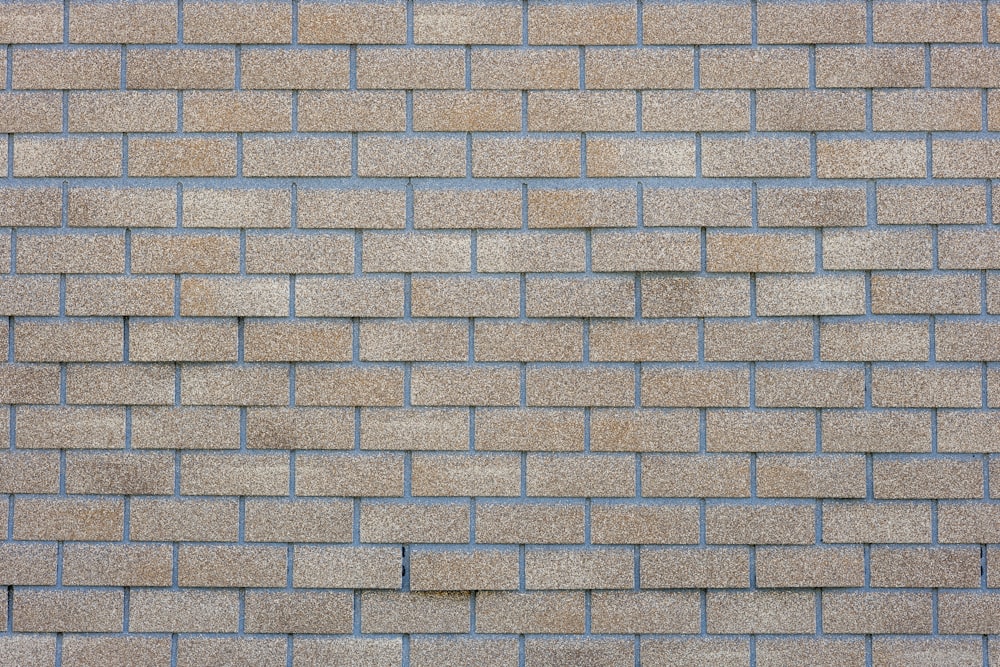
column 581, row 208
column 297, row 69
column 537, row 69
column 809, row 23
column 597, row 23
column 927, row 22
column 607, row 157
column 65, row 68
column 466, row 23
column 756, row 67
column 352, row 23
column 412, row 67
column 213, row 22
column 696, row 23
column 352, row 111
column 645, row 68
column 869, row 67
column 179, row 69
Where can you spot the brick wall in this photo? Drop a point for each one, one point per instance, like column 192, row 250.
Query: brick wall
column 541, row 333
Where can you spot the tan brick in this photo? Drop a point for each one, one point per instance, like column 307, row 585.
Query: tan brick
column 875, row 341
column 296, row 69
column 29, row 564
column 644, row 431
column 347, row 567
column 925, row 567
column 697, row 111
column 609, row 157
column 869, row 67
column 733, row 523
column 32, row 207
column 68, row 519
column 529, row 430
column 267, row 156
column 29, row 383
column 755, row 157
column 234, row 297
column 646, row 612
column 120, row 473
column 81, row 650
column 29, row 472
column 479, row 570
column 299, row 253
column 425, row 652
column 811, row 295
column 597, row 476
column 695, row 387
column 349, row 475
column 645, row 251
column 529, row 523
column 232, row 566
column 403, row 157
column 966, row 341
column 236, row 208
column 117, row 565
column 363, row 651
column 70, row 428
column 761, row 612
column 581, row 208
column 694, row 567
column 857, row 249
column 195, row 651
column 249, row 111
column 916, row 478
column 182, row 341
column 856, row 431
column 67, row 611
column 760, row 252
column 416, row 252
column 235, row 22
column 927, row 22
column 183, row 611
column 964, row 159
column 820, row 652
column 300, row 428
column 467, row 111
column 876, row 612
column 950, row 293
column 298, row 520
column 525, row 157
column 185, row 428
column 411, row 67
column 163, row 519
column 413, row 522
column 581, row 111
column 530, row 612
column 297, row 341
column 696, row 651
column 965, row 66
column 111, row 384
column 753, row 431
column 299, row 612
column 639, row 68
column 91, row 253
column 66, row 68
column 119, row 296
column 536, row 69
column 32, row 23
column 959, row 431
column 222, row 384
column 808, row 23
column 695, row 297
column 234, row 474
column 914, row 110
column 580, row 387
column 77, row 341
column 896, row 652
column 352, row 23
column 30, row 112
column 466, row 475
column 932, row 387
column 412, row 429
column 931, row 205
column 498, row 340
column 145, row 23
column 580, row 297
column 349, row 387
column 968, row 613
column 810, row 567
column 464, row 209
column 351, row 209
column 690, row 207
column 790, row 111
column 597, row 23
column 898, row 522
column 440, row 384
column 466, row 23
column 569, row 569
column 968, row 249
column 814, row 476
column 349, row 297
column 789, row 387
column 629, row 341
column 392, row 612
column 121, row 207
column 811, row 207
column 696, row 476
column 122, row 112
column 635, row 523
column 757, row 67
column 696, row 23
column 186, row 156
column 787, row 340
column 67, row 157
column 179, row 69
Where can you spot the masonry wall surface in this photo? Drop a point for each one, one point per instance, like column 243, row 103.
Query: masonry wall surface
column 503, row 333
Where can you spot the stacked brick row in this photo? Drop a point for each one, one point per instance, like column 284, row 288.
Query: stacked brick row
column 501, row 333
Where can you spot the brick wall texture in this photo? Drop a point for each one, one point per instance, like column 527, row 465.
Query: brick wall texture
column 453, row 333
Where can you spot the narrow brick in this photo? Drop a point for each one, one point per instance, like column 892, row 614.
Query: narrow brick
column 640, row 157
column 479, row 570
column 524, row 157
column 696, row 476
column 179, row 69
column 898, row 522
column 399, row 341
column 599, row 475
column 234, row 22
column 70, row 428
column 598, row 23
column 299, row 253
column 694, row 387
column 570, row 569
column 694, row 567
column 413, row 522
column 856, row 249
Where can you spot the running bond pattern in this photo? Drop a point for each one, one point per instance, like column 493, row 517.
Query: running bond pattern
column 505, row 333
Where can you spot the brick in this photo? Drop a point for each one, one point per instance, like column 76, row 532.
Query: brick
column 696, row 23
column 298, row 520
column 179, row 69
column 199, row 651
column 294, row 69
column 234, row 297
column 770, row 431
column 957, row 293
column 529, row 430
column 581, row 208
column 894, row 652
column 300, row 428
column 733, row 523
column 569, row 569
column 608, row 157
column 233, row 22
column 639, row 68
column 580, row 387
column 32, row 23
column 117, row 565
column 349, row 387
column 347, row 567
column 925, row 567
column 186, row 156
column 811, row 295
column 65, row 68
column 67, row 157
column 536, row 69
column 696, row 476
column 68, row 519
column 884, row 431
column 645, row 612
column 233, row 566
column 187, row 341
column 373, row 651
column 31, row 112
column 761, row 612
column 167, row 519
column 352, row 23
column 874, row 341
column 221, row 384
column 122, row 207
column 349, row 297
column 267, row 156
column 898, row 522
column 967, row 613
column 391, row 612
column 916, row 478
column 790, row 111
column 695, row 651
column 788, row 340
column 297, row 341
column 183, row 611
column 755, row 157
column 654, row 341
column 464, row 209
column 967, row 249
column 389, row 157
column 416, row 252
column 869, row 67
column 31, row 207
column 691, row 207
column 29, row 564
column 811, row 207
column 111, row 384
column 611, row 652
column 756, row 67
column 959, row 431
column 760, row 252
column 119, row 473
column 466, row 475
column 645, row 251
column 236, row 209
column 696, row 111
column 466, row 111
column 876, row 612
column 101, row 23
column 807, row 23
column 67, row 611
column 964, row 159
column 821, row 476
column 932, row 387
column 965, row 341
column 598, row 475
column 349, row 475
column 70, row 428
column 579, row 297
column 78, row 341
column 478, row 570
column 412, row 429
column 694, row 567
column 789, row 387
column 694, row 387
column 440, row 384
column 927, row 22
column 119, row 296
column 409, row 68
column 298, row 612
column 964, row 66
column 525, row 157
column 529, row 523
column 234, row 474
column 185, row 428
column 30, row 472
column 635, row 523
column 92, row 253
column 826, row 652
column 466, row 23
column 931, row 205
column 29, row 383
column 581, row 111
column 80, row 650
column 463, row 651
column 250, row 111
column 299, row 253
column 810, row 567
column 695, row 297
column 925, row 110
column 350, row 209
column 856, row 249
column 598, row 23
column 520, row 252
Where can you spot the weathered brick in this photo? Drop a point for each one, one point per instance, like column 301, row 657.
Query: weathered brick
column 531, row 522
column 524, row 157
column 119, row 207
column 530, row 612
column 186, row 156
column 631, row 157
column 349, row 209
column 883, row 431
column 896, row 293
column 467, row 111
column 464, row 209
column 413, row 522
column 599, row 475
column 531, row 430
column 581, row 208
column 268, row 157
column 696, row 476
column 404, row 157
column 221, row 384
column 927, row 22
column 32, row 23
column 341, row 386
column 537, row 69
column 922, row 567
column 347, row 567
column 188, row 341
column 119, row 296
column 349, row 297
column 581, row 111
column 733, row 523
column 234, row 474
column 435, row 429
column 31, row 112
column 65, row 68
column 298, row 520
column 185, row 428
column 68, row 157
column 551, row 568
column 299, row 612
column 895, row 522
column 300, row 428
column 810, row 567
column 694, row 567
column 645, row 611
column 783, row 340
column 761, row 612
column 695, row 387
column 466, row 23
column 68, row 611
column 479, row 570
column 875, row 341
column 183, row 611
column 876, row 612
